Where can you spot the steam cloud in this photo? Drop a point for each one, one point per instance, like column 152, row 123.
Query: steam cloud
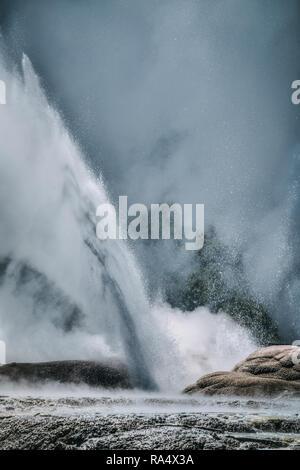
column 187, row 102
column 65, row 294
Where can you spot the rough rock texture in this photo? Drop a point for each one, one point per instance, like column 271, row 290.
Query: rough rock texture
column 92, row 373
column 268, row 372
column 80, row 424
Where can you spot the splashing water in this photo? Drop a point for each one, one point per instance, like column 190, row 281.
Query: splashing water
column 60, row 285
column 64, row 293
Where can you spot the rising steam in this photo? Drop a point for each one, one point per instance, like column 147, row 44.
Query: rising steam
column 185, row 101
column 65, row 294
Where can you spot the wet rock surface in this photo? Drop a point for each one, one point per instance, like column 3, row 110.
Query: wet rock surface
column 271, row 371
column 93, row 373
column 91, row 423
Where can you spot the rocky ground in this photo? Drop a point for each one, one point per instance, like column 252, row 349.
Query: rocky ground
column 96, row 423
column 66, row 407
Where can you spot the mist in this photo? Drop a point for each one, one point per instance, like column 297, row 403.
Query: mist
column 186, row 102
column 64, row 293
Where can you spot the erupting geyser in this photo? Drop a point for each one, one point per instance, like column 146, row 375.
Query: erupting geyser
column 65, row 294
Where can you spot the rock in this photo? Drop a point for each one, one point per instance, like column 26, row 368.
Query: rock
column 267, row 372
column 92, row 373
column 84, row 423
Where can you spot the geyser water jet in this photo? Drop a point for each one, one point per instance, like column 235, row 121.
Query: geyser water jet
column 66, row 294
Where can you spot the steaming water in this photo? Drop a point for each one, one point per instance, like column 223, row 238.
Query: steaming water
column 64, row 293
column 54, row 399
